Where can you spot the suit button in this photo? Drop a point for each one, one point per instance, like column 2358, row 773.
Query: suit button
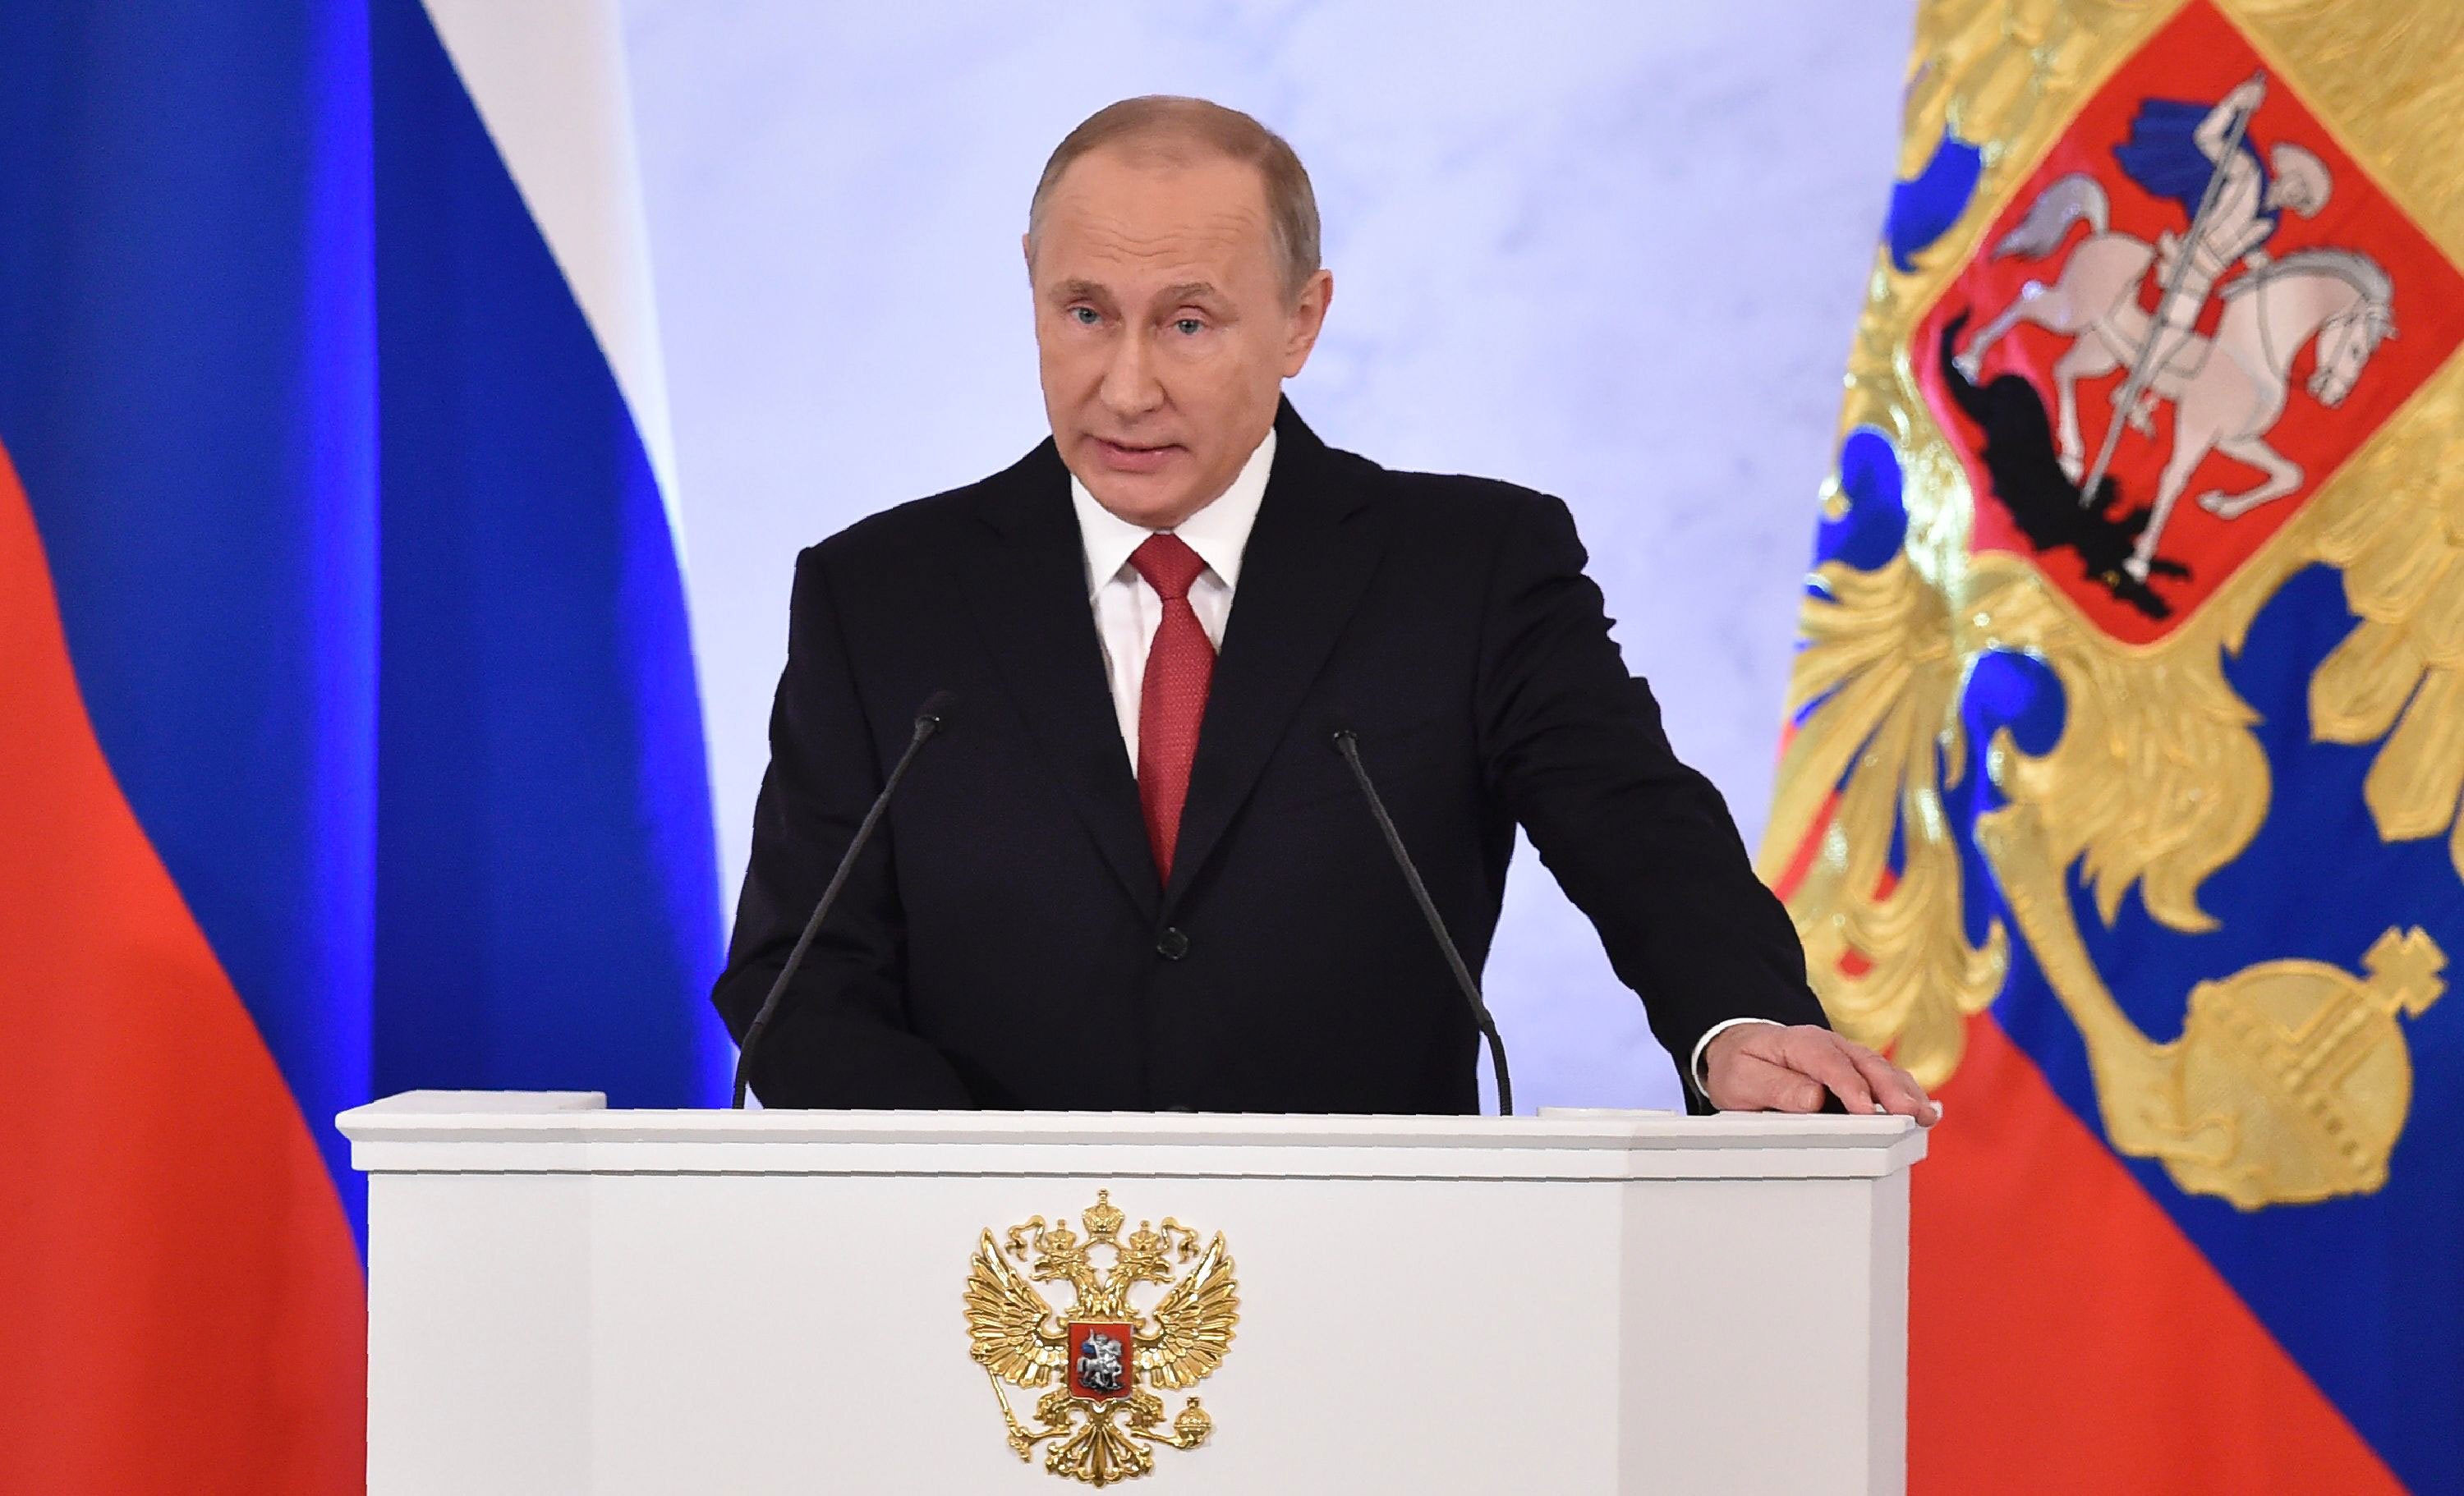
column 1172, row 945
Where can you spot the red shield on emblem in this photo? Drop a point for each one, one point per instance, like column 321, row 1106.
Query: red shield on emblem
column 2181, row 323
column 1099, row 1359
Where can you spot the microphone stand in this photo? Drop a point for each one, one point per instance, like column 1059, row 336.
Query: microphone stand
column 1347, row 743
column 928, row 721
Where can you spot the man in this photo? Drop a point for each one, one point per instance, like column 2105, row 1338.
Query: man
column 1132, row 872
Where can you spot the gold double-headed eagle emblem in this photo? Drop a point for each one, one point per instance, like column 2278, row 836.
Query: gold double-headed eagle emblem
column 1101, row 1356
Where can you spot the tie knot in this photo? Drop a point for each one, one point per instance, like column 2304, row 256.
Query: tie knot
column 1167, row 565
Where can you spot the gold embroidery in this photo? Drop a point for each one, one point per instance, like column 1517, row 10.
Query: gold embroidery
column 2291, row 1080
column 2396, row 526
column 2382, row 77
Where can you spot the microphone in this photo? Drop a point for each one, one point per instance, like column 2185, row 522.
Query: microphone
column 928, row 721
column 1347, row 743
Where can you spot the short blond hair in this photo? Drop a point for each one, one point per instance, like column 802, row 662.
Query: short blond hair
column 1167, row 125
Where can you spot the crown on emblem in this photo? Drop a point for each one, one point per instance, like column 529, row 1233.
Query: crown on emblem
column 1102, row 1219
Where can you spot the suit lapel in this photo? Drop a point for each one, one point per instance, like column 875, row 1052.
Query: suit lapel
column 1305, row 567
column 1028, row 587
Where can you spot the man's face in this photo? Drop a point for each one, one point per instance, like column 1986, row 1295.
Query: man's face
column 1163, row 327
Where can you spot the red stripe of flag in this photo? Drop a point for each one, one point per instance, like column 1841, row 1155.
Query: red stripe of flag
column 181, row 1303
column 2065, row 1338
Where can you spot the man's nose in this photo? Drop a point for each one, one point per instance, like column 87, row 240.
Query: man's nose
column 1129, row 386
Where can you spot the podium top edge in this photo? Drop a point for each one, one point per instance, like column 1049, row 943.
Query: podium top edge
column 583, row 1117
column 480, row 1102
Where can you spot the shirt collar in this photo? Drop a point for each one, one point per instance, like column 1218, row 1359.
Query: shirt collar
column 1218, row 532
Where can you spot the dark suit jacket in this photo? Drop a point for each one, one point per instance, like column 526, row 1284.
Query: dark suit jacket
column 1005, row 942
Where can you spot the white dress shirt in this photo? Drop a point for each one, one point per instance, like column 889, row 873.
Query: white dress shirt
column 1128, row 611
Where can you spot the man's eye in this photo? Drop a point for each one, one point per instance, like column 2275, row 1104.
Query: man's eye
column 1084, row 316
column 1189, row 326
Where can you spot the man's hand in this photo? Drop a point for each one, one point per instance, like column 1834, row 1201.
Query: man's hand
column 1769, row 1068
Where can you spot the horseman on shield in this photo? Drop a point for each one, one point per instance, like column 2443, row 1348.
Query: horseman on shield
column 2195, row 156
column 2342, row 300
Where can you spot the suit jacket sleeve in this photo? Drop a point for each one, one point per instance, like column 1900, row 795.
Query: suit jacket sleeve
column 840, row 1037
column 1642, row 843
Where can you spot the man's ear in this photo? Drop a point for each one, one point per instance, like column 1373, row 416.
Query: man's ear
column 1307, row 320
column 1026, row 253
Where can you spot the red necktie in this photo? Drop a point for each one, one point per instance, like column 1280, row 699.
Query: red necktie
column 1180, row 662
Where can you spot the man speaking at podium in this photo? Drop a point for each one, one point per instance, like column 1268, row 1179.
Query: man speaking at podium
column 1131, row 870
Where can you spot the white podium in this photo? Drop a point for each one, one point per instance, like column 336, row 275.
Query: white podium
column 565, row 1299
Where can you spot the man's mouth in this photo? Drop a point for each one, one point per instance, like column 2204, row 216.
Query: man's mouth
column 1130, row 456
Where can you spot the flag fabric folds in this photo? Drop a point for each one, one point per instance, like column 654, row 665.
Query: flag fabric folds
column 350, row 738
column 2119, row 797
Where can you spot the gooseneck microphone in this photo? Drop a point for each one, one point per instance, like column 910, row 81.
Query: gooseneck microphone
column 1347, row 743
column 928, row 721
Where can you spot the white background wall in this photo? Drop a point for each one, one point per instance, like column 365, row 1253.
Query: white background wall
column 1612, row 250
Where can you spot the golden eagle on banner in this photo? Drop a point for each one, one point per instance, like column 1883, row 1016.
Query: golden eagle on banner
column 2121, row 796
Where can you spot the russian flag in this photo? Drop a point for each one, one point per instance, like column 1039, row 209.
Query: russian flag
column 350, row 738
